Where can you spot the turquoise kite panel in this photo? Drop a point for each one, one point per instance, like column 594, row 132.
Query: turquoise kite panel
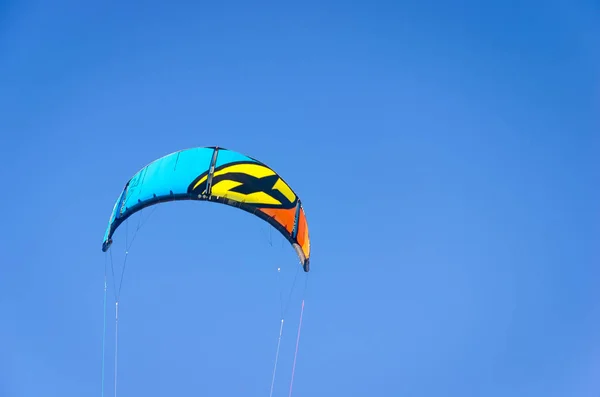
column 168, row 175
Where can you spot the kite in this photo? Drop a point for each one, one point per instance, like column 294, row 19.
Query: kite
column 217, row 175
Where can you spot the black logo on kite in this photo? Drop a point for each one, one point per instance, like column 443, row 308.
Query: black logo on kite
column 247, row 184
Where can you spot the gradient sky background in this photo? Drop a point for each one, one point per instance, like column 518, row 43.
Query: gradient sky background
column 447, row 156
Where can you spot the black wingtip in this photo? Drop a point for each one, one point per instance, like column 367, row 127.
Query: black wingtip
column 306, row 265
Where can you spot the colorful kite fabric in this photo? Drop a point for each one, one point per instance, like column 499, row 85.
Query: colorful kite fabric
column 218, row 175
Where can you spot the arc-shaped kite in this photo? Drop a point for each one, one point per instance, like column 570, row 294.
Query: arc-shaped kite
column 218, row 175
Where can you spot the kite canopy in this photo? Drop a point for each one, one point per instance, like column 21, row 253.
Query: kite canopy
column 218, row 175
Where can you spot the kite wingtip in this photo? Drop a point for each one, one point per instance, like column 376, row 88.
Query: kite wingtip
column 106, row 245
column 306, row 265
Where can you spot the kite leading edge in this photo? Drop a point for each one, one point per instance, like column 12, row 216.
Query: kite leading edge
column 218, row 175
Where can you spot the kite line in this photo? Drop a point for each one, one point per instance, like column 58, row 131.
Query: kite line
column 298, row 337
column 104, row 325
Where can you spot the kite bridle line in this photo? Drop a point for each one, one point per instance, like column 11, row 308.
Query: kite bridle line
column 298, row 336
column 104, row 322
column 283, row 306
column 117, row 294
column 284, row 309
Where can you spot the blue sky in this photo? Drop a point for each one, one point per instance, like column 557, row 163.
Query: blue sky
column 447, row 155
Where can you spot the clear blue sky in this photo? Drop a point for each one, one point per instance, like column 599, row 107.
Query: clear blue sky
column 447, row 156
